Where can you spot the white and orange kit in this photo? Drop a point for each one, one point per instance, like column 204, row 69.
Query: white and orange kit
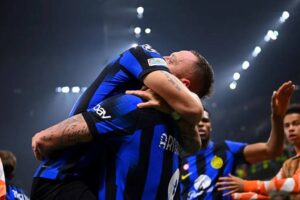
column 2, row 182
column 287, row 180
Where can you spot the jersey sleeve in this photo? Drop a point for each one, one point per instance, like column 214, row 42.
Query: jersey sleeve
column 249, row 196
column 237, row 148
column 277, row 184
column 141, row 60
column 115, row 115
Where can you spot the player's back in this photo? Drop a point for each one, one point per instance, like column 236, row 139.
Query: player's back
column 142, row 158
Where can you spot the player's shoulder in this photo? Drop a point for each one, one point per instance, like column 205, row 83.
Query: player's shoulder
column 296, row 157
column 144, row 49
column 292, row 160
column 147, row 47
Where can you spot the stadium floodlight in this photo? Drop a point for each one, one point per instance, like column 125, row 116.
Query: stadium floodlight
column 75, row 89
column 137, row 30
column 58, row 89
column 236, row 76
column 140, row 12
column 285, row 15
column 147, row 30
column 245, row 65
column 65, row 89
column 233, row 85
column 256, row 51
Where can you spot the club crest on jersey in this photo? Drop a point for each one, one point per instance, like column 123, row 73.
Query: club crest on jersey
column 101, row 112
column 216, row 162
column 157, row 62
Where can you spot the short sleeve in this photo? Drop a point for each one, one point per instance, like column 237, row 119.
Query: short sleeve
column 237, row 148
column 115, row 115
column 141, row 60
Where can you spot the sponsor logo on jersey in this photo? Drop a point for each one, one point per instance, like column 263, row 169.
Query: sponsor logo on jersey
column 183, row 177
column 202, row 183
column 101, row 112
column 19, row 196
column 169, row 143
column 157, row 62
column 216, row 162
column 173, row 184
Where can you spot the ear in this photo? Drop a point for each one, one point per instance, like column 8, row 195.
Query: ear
column 186, row 82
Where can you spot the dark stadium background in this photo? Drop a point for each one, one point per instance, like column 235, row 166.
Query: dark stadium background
column 46, row 44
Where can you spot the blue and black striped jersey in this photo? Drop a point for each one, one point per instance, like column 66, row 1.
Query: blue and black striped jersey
column 141, row 147
column 15, row 193
column 126, row 72
column 200, row 172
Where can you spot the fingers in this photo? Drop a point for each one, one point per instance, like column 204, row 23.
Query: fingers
column 231, row 187
column 139, row 93
column 37, row 153
column 230, row 192
column 286, row 89
column 225, row 181
column 148, row 104
column 273, row 99
column 284, row 86
column 225, row 178
column 290, row 90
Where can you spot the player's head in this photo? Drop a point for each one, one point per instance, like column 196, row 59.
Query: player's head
column 9, row 162
column 291, row 124
column 193, row 70
column 204, row 128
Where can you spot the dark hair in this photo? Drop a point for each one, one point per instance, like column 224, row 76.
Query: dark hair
column 207, row 73
column 293, row 108
column 9, row 162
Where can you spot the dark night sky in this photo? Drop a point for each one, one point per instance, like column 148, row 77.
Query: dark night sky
column 45, row 44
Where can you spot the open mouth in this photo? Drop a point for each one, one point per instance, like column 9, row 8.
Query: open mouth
column 292, row 137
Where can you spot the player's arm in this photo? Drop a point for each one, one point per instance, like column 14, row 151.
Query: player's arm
column 274, row 146
column 176, row 94
column 189, row 138
column 71, row 131
column 235, row 184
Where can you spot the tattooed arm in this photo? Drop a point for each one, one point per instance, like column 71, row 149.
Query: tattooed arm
column 66, row 133
column 176, row 94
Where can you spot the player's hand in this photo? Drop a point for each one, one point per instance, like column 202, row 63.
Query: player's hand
column 281, row 98
column 231, row 183
column 36, row 150
column 151, row 100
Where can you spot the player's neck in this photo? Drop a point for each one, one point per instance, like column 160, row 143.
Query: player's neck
column 297, row 149
column 205, row 143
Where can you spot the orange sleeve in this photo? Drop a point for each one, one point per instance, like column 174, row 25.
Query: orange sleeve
column 248, row 196
column 254, row 186
column 2, row 190
column 291, row 184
